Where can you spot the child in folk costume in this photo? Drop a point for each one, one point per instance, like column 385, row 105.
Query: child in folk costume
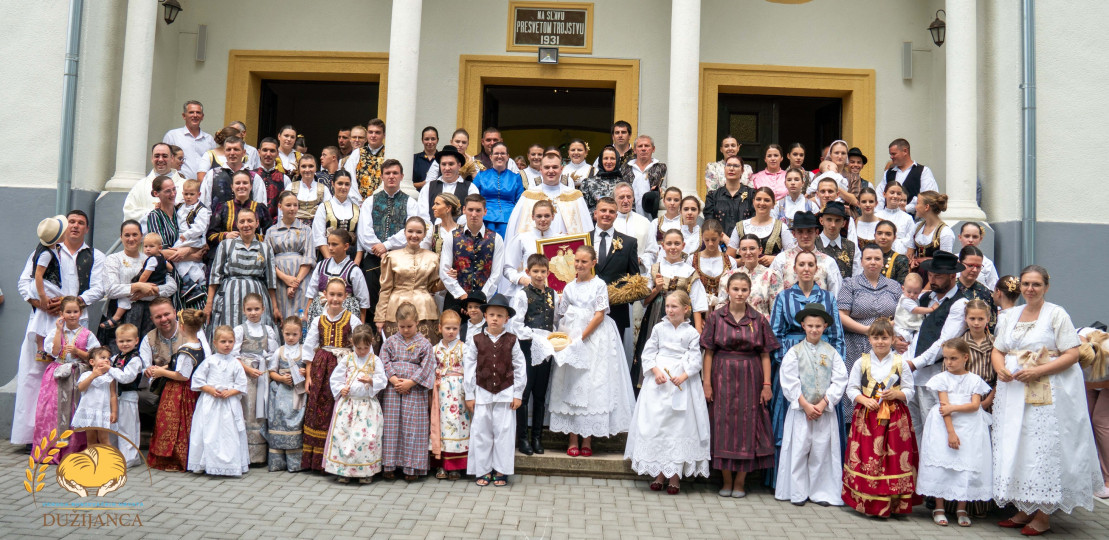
column 67, row 344
column 591, row 391
column 535, row 315
column 669, row 437
column 285, row 403
column 218, row 445
column 410, row 364
column 955, row 451
column 127, row 370
column 494, row 379
column 155, row 269
column 354, row 440
column 671, row 273
column 712, row 265
column 254, row 343
column 328, row 338
column 192, row 224
column 98, row 408
column 173, row 425
column 879, row 476
column 472, row 319
column 48, row 280
column 450, row 421
column 813, row 379
column 357, row 299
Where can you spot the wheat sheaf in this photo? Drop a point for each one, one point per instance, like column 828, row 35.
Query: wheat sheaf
column 51, row 445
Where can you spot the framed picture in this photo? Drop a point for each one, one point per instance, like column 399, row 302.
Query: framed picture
column 560, row 250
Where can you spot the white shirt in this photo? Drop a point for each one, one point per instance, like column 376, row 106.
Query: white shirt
column 341, row 210
column 288, row 161
column 787, row 207
column 446, row 263
column 140, row 202
column 638, row 227
column 357, row 281
column 923, row 238
column 367, row 238
column 67, row 266
column 682, row 269
column 482, row 396
column 69, row 335
column 519, row 302
column 423, row 204
column 516, row 259
column 519, row 221
column 574, row 173
column 928, row 362
column 312, row 339
column 880, row 368
column 307, row 192
column 194, row 148
column 790, row 376
column 927, row 183
column 900, row 218
column 192, row 235
column 257, row 188
column 119, row 269
column 534, row 178
column 640, row 185
column 251, row 153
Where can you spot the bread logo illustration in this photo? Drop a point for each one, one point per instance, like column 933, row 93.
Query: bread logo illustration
column 100, row 469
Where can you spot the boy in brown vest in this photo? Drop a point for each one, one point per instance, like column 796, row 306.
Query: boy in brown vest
column 494, row 377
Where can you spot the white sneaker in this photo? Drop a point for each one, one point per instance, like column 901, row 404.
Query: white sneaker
column 1102, row 493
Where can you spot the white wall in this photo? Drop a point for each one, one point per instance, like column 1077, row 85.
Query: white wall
column 855, row 34
column 1000, row 136
column 33, row 49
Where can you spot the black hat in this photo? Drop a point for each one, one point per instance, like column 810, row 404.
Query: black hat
column 942, row 262
column 814, row 309
column 449, row 150
column 476, row 296
column 833, row 208
column 804, row 220
column 499, row 300
column 858, row 153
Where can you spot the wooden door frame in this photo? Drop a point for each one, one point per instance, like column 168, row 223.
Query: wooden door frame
column 247, row 68
column 855, row 87
column 477, row 71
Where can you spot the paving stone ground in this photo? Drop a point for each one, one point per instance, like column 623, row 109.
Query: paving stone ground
column 306, row 505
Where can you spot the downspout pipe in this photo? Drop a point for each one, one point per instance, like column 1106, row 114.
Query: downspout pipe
column 1028, row 90
column 69, row 107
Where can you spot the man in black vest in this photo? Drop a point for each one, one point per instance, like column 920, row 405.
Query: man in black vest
column 381, row 225
column 449, row 160
column 913, row 177
column 617, row 256
column 79, row 269
column 946, row 322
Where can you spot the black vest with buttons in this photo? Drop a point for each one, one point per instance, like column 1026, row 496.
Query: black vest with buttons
column 540, row 312
column 54, row 272
column 933, row 322
column 120, row 362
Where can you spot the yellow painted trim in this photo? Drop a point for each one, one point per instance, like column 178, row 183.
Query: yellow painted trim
column 475, row 71
column 588, row 7
column 246, row 69
column 854, row 86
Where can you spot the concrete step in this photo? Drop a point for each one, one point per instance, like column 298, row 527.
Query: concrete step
column 557, row 463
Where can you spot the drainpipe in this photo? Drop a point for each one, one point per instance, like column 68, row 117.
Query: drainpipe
column 1028, row 89
column 69, row 107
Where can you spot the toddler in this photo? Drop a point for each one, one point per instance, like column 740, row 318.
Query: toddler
column 910, row 314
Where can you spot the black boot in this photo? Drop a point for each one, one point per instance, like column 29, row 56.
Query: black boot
column 524, row 446
column 536, row 442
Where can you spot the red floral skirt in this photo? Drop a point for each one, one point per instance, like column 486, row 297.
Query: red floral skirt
column 318, row 410
column 169, row 443
column 879, row 470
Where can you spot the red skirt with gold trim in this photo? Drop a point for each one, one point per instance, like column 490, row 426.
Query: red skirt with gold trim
column 318, row 410
column 169, row 443
column 879, row 470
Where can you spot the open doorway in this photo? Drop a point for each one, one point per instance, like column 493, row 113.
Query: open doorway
column 549, row 116
column 316, row 108
column 759, row 120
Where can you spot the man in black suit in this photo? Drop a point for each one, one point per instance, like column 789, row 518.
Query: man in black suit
column 617, row 256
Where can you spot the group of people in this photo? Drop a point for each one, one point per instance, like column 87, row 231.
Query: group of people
column 310, row 314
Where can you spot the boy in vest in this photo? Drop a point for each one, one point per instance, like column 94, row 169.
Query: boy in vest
column 127, row 370
column 813, row 378
column 192, row 222
column 494, row 376
column 472, row 257
column 535, row 312
column 832, row 243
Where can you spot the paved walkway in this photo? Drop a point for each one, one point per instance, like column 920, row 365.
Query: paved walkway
column 282, row 505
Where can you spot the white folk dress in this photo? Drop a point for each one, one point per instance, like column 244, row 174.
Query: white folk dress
column 966, row 473
column 811, row 463
column 95, row 409
column 591, row 392
column 670, row 427
column 217, row 443
column 1043, row 455
column 353, row 445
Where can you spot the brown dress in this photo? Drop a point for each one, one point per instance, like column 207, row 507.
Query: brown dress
column 409, row 276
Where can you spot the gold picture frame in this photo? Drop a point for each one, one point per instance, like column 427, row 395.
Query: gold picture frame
column 560, row 251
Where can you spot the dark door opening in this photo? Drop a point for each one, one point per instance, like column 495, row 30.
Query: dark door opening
column 757, row 121
column 317, row 109
column 549, row 116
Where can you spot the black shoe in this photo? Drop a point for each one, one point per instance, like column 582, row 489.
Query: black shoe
column 524, row 446
column 537, row 445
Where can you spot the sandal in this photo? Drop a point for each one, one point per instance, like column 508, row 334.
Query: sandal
column 454, row 475
column 109, row 324
column 573, row 451
column 410, row 478
column 484, row 480
column 389, row 475
column 586, row 452
column 939, row 518
column 500, row 480
column 344, row 480
column 673, row 489
column 656, row 486
column 1012, row 524
column 366, row 480
column 962, row 518
column 441, row 473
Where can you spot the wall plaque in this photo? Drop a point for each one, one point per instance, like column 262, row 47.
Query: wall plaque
column 568, row 26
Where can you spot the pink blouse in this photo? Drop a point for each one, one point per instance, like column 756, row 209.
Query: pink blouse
column 775, row 181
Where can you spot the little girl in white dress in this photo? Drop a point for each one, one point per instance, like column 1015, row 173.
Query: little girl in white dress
column 955, row 450
column 98, row 407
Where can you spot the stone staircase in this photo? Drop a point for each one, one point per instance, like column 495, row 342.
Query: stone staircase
column 607, row 460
